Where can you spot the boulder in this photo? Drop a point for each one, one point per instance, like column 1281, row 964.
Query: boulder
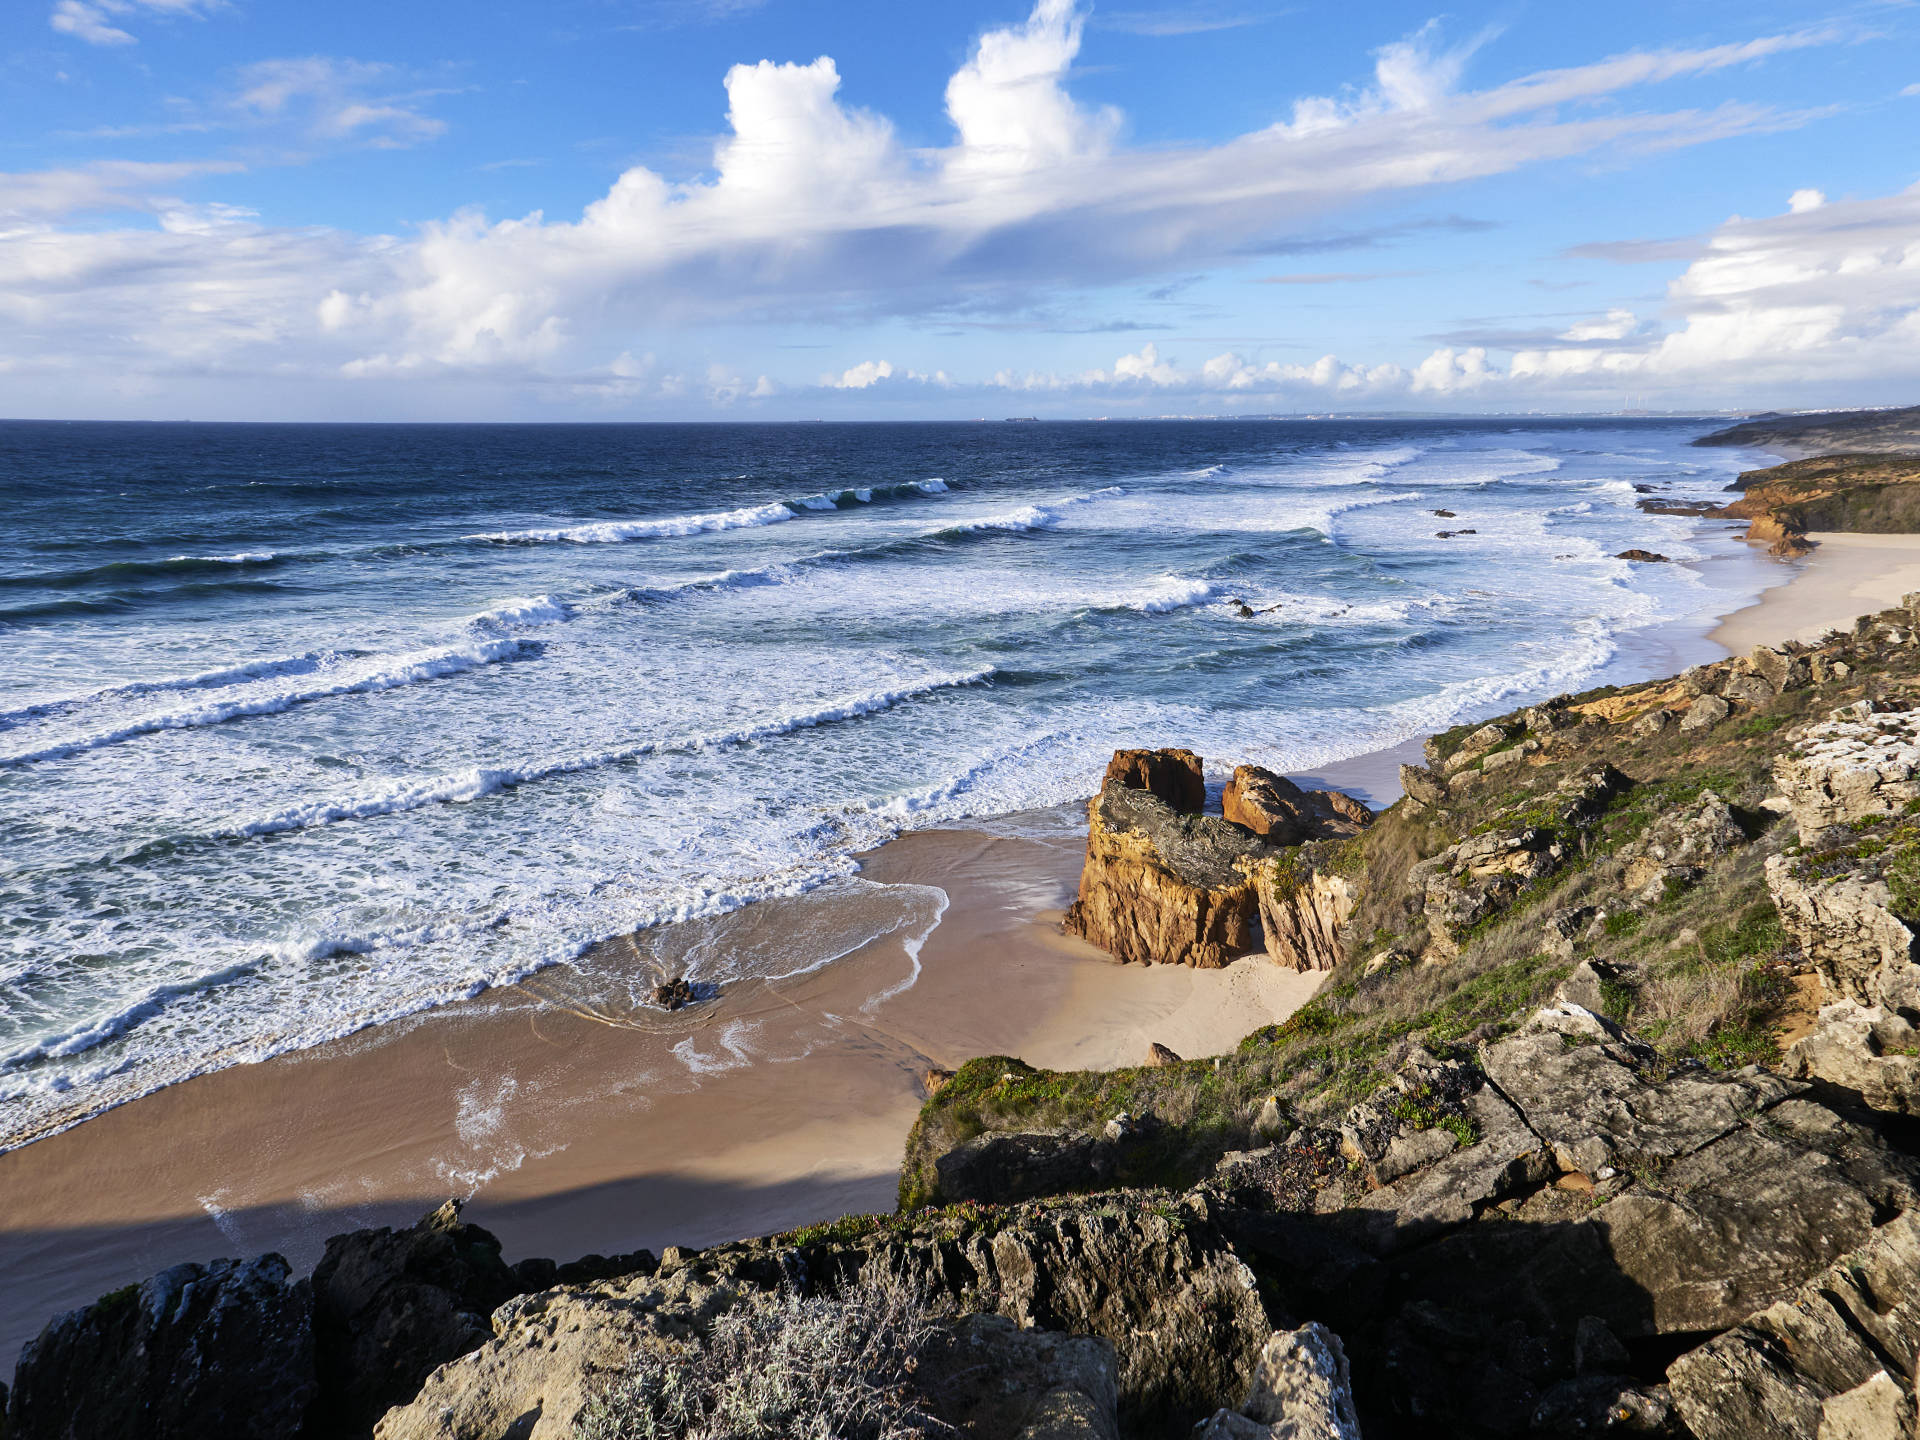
column 1846, row 927
column 1680, row 845
column 1867, row 1051
column 1817, row 1362
column 1159, row 1056
column 1176, row 776
column 1705, row 712
column 1164, row 887
column 1645, row 557
column 1781, row 670
column 674, row 994
column 390, row 1307
column 198, row 1352
column 1423, row 786
column 1854, row 767
column 1270, row 805
column 1279, row 811
column 550, row 1356
column 1302, row 1390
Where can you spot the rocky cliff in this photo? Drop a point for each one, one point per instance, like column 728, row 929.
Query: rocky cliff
column 1602, row 1123
column 1874, row 494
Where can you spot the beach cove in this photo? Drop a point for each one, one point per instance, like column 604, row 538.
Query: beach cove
column 541, row 1106
column 574, row 1116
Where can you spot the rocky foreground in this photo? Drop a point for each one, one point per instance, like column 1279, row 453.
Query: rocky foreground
column 1607, row 1120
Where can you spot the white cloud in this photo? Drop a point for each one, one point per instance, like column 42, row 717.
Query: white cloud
column 814, row 209
column 863, row 376
column 1802, row 201
column 1010, row 105
column 88, row 19
column 336, row 99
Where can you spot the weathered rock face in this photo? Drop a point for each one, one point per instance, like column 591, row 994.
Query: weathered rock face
column 1704, row 713
column 552, row 1354
column 993, row 1380
column 199, row 1352
column 1484, row 873
column 1301, row 917
column 1846, row 927
column 1679, row 846
column 1835, row 1358
column 1865, row 1051
column 1423, row 786
column 1302, row 1390
column 1180, row 1311
column 1175, row 776
column 1279, row 811
column 390, row 1307
column 1164, row 887
column 1851, row 768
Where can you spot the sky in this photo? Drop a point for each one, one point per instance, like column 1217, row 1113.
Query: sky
column 843, row 209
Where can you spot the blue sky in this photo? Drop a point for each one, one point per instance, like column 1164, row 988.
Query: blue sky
column 695, row 209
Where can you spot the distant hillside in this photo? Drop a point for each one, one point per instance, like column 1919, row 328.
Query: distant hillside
column 1858, row 432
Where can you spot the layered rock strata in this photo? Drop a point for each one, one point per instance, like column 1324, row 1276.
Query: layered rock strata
column 1166, row 884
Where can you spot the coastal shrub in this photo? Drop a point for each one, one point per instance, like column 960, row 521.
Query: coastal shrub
column 837, row 1366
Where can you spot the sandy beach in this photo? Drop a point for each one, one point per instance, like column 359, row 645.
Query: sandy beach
column 1846, row 576
column 578, row 1122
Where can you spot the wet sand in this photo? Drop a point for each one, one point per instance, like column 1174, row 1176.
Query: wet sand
column 1846, row 576
column 579, row 1121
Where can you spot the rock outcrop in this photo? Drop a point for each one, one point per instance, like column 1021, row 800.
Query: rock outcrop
column 1176, row 776
column 198, row 1352
column 1166, row 884
column 1281, row 813
column 1303, row 911
column 1835, row 1358
column 1846, row 926
column 1181, row 1312
column 1857, row 766
column 1302, row 1390
column 1165, row 887
column 1865, row 1051
column 390, row 1307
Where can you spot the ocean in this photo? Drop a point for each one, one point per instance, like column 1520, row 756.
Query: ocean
column 305, row 728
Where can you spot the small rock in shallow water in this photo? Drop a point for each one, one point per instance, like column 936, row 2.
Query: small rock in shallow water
column 1645, row 557
column 674, row 994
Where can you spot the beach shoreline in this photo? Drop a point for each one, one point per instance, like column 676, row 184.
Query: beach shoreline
column 574, row 1122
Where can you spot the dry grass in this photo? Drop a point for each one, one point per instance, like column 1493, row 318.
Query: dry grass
column 824, row 1367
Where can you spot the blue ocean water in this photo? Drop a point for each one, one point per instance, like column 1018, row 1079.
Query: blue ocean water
column 307, row 727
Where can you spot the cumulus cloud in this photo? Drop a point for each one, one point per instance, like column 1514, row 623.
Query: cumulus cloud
column 863, row 376
column 813, row 210
column 1829, row 291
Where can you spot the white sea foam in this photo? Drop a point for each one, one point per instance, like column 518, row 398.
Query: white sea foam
column 351, row 678
column 609, row 532
column 1032, row 517
column 1170, row 592
column 481, row 781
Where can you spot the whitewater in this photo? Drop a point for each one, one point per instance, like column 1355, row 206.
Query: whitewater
column 304, row 729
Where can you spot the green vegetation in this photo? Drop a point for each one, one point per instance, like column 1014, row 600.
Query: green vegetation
column 1701, row 970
